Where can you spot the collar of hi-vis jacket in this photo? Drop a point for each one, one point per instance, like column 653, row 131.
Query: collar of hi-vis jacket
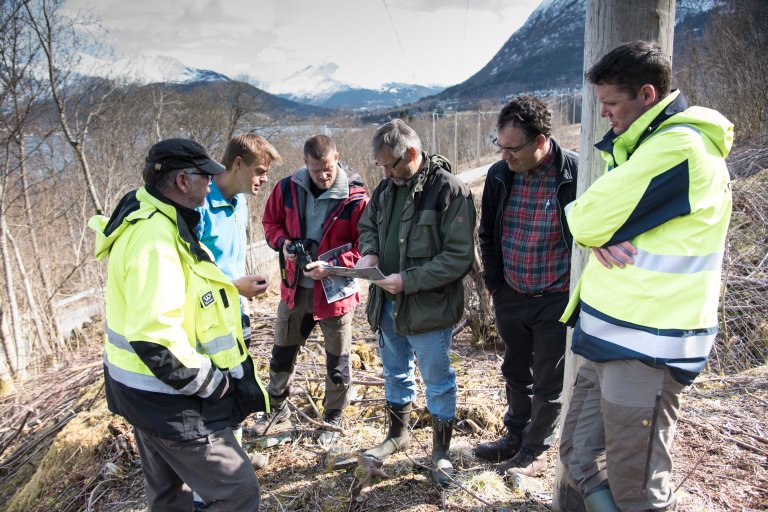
column 145, row 202
column 621, row 147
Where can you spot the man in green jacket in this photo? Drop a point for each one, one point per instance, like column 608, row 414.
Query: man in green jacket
column 646, row 303
column 176, row 366
column 419, row 229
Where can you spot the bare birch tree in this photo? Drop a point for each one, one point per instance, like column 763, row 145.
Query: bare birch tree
column 6, row 379
column 59, row 40
column 16, row 349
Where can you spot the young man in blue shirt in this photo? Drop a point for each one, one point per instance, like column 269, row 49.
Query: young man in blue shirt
column 224, row 222
column 224, row 215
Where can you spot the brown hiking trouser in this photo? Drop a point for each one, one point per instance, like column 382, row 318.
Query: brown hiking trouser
column 292, row 328
column 618, row 432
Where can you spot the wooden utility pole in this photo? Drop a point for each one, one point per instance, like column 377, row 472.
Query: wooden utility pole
column 608, row 24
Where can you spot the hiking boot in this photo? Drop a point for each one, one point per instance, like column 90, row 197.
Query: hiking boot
column 526, row 462
column 329, row 437
column 499, row 450
column 398, row 436
column 442, row 431
column 278, row 419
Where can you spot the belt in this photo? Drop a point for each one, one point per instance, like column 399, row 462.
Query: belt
column 535, row 295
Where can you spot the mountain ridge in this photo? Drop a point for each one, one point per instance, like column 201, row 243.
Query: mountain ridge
column 520, row 66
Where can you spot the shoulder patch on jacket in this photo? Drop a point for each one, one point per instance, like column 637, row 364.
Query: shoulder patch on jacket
column 207, row 299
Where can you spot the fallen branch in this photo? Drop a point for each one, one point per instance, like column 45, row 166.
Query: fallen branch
column 355, row 382
column 17, row 432
column 748, row 446
column 318, row 424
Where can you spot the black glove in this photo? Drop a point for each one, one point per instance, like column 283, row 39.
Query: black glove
column 248, row 394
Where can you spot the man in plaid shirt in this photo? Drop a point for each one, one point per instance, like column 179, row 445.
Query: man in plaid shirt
column 526, row 250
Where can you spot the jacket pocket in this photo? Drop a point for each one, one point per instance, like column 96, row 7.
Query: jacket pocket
column 423, row 238
column 217, row 411
column 429, row 310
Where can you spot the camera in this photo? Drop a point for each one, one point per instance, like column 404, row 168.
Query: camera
column 302, row 248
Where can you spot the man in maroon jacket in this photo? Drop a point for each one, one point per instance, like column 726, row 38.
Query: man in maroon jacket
column 315, row 209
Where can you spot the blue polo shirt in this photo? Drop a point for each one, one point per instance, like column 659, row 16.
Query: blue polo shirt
column 222, row 229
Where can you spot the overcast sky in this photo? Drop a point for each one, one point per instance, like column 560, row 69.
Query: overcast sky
column 429, row 42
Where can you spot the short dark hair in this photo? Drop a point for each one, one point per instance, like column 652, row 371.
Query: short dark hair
column 632, row 65
column 528, row 113
column 319, row 146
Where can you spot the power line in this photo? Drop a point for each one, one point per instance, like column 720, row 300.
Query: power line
column 397, row 36
column 464, row 41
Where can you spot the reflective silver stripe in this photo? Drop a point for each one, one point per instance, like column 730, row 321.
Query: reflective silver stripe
column 237, row 372
column 119, row 341
column 247, row 333
column 152, row 383
column 196, row 386
column 138, row 380
column 689, row 367
column 217, row 345
column 675, row 264
column 660, row 347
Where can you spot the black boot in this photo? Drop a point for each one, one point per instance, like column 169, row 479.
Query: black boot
column 500, row 450
column 442, row 431
column 398, row 437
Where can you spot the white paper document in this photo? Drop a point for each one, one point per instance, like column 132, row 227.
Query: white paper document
column 370, row 273
column 337, row 287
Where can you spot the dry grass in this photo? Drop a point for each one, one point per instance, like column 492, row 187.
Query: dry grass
column 717, row 473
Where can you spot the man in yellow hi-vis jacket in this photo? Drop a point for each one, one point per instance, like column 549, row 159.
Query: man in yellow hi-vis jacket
column 175, row 364
column 656, row 223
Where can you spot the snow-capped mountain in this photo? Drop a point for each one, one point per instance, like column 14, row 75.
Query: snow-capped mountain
column 315, row 85
column 311, row 84
column 547, row 52
column 173, row 74
column 146, row 69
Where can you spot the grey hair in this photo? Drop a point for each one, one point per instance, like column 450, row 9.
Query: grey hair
column 162, row 180
column 397, row 136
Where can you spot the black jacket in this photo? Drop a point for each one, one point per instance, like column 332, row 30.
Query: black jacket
column 498, row 186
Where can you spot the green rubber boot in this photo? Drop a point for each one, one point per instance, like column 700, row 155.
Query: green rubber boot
column 398, row 437
column 442, row 431
column 600, row 501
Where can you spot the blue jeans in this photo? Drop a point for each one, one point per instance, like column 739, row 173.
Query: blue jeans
column 431, row 350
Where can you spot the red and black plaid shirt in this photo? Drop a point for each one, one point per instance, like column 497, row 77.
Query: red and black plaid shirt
column 536, row 258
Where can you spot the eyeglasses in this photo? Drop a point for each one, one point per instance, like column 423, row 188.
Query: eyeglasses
column 209, row 176
column 509, row 149
column 391, row 166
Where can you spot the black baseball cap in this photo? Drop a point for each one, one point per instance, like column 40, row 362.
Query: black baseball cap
column 170, row 154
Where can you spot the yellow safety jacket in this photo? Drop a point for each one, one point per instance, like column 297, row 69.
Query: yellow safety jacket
column 668, row 192
column 175, row 363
